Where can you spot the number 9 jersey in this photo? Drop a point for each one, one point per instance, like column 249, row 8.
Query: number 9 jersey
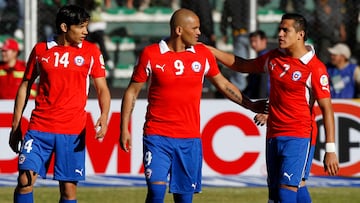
column 175, row 88
column 63, row 86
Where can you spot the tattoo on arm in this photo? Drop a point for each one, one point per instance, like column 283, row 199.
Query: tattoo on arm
column 233, row 95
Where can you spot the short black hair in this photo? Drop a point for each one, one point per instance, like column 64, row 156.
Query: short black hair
column 300, row 22
column 259, row 33
column 71, row 15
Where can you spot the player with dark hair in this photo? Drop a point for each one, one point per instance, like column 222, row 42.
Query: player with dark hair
column 297, row 79
column 175, row 69
column 57, row 124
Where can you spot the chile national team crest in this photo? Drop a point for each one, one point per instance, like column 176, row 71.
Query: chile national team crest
column 196, row 66
column 79, row 60
column 296, row 75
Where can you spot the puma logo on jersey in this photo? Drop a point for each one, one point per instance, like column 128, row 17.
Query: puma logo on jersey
column 45, row 59
column 272, row 65
column 79, row 171
column 288, row 176
column 160, row 67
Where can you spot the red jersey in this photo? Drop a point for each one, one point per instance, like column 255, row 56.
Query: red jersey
column 295, row 86
column 63, row 86
column 11, row 78
column 176, row 81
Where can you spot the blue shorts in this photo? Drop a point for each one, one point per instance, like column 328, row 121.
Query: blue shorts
column 69, row 151
column 309, row 162
column 175, row 159
column 287, row 159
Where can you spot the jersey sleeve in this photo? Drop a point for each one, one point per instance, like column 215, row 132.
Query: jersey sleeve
column 31, row 66
column 211, row 66
column 98, row 65
column 142, row 68
column 320, row 81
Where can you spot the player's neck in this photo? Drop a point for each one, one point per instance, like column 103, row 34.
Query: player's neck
column 176, row 46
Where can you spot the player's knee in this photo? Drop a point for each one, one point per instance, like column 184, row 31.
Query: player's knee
column 25, row 178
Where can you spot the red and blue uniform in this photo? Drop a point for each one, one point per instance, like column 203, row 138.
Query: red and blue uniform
column 296, row 83
column 58, row 120
column 173, row 113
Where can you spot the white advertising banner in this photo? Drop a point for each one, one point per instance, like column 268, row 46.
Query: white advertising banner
column 232, row 143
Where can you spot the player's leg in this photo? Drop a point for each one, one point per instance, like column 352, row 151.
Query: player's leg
column 185, row 174
column 35, row 152
column 272, row 167
column 303, row 195
column 69, row 166
column 156, row 159
column 294, row 153
column 67, row 192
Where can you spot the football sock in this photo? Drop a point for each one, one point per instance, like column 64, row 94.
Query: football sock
column 156, row 193
column 303, row 195
column 287, row 196
column 23, row 198
column 67, row 201
column 183, row 198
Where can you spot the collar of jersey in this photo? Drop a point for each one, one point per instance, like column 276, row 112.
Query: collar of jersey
column 164, row 47
column 52, row 43
column 308, row 56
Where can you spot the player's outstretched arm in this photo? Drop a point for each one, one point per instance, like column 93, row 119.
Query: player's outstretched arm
column 331, row 163
column 230, row 91
column 127, row 107
column 233, row 62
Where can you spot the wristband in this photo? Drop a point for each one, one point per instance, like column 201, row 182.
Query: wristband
column 330, row 147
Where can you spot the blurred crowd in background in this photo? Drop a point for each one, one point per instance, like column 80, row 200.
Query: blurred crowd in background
column 333, row 31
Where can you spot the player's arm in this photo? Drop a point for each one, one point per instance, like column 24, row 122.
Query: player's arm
column 104, row 100
column 230, row 91
column 21, row 100
column 234, row 62
column 331, row 164
column 127, row 107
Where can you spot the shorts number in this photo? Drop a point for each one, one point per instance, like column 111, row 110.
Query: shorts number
column 147, row 158
column 28, row 145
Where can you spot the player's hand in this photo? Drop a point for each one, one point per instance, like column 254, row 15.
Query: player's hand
column 331, row 163
column 260, row 106
column 125, row 140
column 260, row 119
column 101, row 128
column 15, row 139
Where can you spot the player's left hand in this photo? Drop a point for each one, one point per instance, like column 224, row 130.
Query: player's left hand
column 15, row 139
column 260, row 106
column 331, row 163
column 260, row 119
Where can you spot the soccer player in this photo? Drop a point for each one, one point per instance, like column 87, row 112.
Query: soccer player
column 297, row 79
column 175, row 69
column 57, row 124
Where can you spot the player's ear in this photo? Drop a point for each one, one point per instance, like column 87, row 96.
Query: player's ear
column 178, row 30
column 63, row 27
column 302, row 35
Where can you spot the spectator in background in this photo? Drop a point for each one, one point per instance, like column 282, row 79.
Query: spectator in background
column 11, row 70
column 344, row 75
column 258, row 83
column 329, row 28
column 236, row 14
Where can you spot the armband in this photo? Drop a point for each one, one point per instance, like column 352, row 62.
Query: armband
column 330, row 147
